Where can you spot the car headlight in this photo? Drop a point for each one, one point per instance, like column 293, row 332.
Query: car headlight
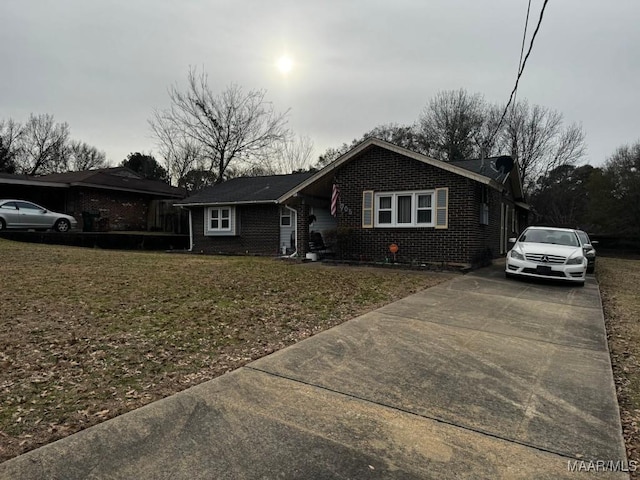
column 517, row 255
column 575, row 261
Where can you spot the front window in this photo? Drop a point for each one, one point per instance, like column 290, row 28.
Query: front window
column 425, row 211
column 285, row 217
column 404, row 209
column 219, row 220
column 384, row 210
column 28, row 206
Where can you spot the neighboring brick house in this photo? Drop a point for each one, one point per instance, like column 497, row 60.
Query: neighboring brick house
column 458, row 213
column 116, row 198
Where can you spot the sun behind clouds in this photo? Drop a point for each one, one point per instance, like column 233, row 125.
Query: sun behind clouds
column 284, row 64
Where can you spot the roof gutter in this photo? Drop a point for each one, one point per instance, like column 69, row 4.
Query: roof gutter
column 35, row 183
column 132, row 190
column 215, row 204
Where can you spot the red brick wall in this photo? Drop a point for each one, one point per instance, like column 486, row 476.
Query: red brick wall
column 257, row 232
column 124, row 210
column 381, row 170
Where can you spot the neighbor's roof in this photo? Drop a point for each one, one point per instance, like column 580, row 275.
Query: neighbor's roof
column 14, row 179
column 117, row 178
column 243, row 190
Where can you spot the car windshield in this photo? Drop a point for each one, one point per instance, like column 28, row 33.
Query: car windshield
column 556, row 237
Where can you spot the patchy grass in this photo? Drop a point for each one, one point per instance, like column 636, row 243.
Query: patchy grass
column 619, row 280
column 90, row 334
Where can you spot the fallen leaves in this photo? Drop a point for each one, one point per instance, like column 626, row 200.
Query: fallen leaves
column 91, row 334
column 621, row 304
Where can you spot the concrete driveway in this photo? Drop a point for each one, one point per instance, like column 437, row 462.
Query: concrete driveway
column 479, row 377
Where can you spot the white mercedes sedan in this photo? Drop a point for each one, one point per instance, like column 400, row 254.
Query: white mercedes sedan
column 547, row 252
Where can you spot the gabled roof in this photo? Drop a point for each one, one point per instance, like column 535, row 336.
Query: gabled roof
column 244, row 190
column 488, row 168
column 117, row 178
column 370, row 142
column 484, row 167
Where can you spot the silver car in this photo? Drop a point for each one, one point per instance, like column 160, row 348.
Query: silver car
column 19, row 214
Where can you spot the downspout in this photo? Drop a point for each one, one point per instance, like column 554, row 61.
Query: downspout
column 190, row 232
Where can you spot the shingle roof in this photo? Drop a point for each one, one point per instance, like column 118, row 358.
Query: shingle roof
column 247, row 190
column 486, row 167
column 118, row 178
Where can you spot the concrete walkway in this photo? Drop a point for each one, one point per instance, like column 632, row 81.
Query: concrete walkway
column 480, row 377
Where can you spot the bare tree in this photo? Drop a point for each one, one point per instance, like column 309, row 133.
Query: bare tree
column 538, row 139
column 43, row 146
column 452, row 124
column 10, row 135
column 82, row 156
column 181, row 153
column 232, row 128
column 294, row 155
column 406, row 136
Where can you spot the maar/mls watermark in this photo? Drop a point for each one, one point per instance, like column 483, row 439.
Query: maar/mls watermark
column 602, row 466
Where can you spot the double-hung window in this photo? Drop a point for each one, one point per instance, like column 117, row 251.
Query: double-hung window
column 404, row 209
column 219, row 221
column 285, row 217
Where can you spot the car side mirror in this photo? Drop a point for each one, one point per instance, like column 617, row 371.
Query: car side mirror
column 512, row 240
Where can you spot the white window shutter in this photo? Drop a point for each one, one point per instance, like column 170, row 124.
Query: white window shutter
column 367, row 209
column 442, row 207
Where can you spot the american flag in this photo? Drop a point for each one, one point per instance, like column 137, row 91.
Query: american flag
column 335, row 198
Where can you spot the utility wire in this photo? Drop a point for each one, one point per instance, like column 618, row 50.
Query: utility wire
column 515, row 88
column 524, row 37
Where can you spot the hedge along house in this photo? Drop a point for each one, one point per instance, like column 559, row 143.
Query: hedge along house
column 459, row 213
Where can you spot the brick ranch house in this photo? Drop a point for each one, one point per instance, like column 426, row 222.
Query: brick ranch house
column 459, row 213
column 116, row 199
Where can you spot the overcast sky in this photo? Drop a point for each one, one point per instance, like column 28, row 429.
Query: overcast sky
column 103, row 66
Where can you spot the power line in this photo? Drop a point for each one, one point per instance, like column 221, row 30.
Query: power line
column 524, row 37
column 515, row 88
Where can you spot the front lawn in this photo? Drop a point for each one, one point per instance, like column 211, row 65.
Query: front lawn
column 619, row 280
column 90, row 334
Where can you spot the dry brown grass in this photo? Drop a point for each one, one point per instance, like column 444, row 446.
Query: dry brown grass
column 619, row 280
column 90, row 334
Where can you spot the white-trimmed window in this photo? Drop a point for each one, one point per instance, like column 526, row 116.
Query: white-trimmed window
column 285, row 217
column 219, row 221
column 404, row 209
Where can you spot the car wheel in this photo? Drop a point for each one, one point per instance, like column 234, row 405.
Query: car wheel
column 62, row 225
column 3, row 225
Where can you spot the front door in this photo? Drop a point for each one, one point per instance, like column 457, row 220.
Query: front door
column 288, row 221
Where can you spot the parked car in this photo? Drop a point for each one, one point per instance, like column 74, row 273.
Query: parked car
column 19, row 214
column 547, row 252
column 589, row 250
